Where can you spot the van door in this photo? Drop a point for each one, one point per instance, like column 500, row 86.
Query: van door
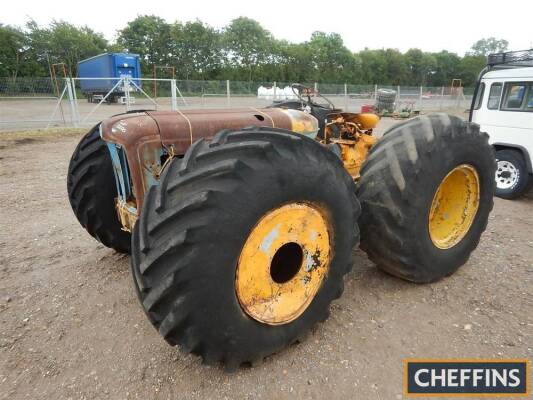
column 509, row 120
column 489, row 113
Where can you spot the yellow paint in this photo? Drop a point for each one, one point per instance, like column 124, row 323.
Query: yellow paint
column 364, row 121
column 367, row 120
column 300, row 226
column 354, row 152
column 302, row 122
column 454, row 206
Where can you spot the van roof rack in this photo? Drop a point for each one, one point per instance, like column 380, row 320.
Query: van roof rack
column 510, row 59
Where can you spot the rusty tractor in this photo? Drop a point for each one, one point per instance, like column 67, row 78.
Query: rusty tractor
column 241, row 223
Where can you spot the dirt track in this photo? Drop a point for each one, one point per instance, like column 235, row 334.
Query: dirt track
column 71, row 325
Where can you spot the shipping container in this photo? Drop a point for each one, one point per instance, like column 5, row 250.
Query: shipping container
column 112, row 67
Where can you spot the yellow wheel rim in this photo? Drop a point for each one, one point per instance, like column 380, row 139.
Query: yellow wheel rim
column 283, row 263
column 454, row 206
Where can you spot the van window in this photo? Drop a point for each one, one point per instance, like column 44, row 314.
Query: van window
column 529, row 101
column 479, row 97
column 514, row 96
column 494, row 96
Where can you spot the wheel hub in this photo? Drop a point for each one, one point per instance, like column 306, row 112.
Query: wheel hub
column 454, row 206
column 283, row 263
column 506, row 175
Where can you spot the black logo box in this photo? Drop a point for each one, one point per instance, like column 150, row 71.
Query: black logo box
column 521, row 372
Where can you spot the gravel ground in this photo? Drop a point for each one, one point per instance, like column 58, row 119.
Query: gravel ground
column 71, row 325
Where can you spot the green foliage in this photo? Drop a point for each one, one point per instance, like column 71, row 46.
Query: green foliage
column 374, row 66
column 242, row 51
column 470, row 66
column 149, row 36
column 421, row 67
column 484, row 47
column 62, row 42
column 195, row 49
column 446, row 68
column 12, row 51
column 330, row 59
column 247, row 45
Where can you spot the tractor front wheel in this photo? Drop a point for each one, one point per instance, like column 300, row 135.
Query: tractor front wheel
column 243, row 245
column 92, row 191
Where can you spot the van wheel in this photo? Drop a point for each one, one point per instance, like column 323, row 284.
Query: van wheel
column 511, row 174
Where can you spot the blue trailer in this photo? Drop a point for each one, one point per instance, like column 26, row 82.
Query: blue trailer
column 111, row 66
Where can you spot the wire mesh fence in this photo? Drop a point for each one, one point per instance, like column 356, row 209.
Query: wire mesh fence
column 27, row 103
column 27, row 87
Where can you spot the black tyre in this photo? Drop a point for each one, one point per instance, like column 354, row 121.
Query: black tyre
column 386, row 94
column 191, row 246
column 512, row 178
column 385, row 99
column 418, row 190
column 92, row 191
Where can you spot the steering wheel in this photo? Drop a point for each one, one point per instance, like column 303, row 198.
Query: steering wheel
column 302, row 92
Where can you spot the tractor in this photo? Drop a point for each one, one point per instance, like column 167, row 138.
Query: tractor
column 241, row 223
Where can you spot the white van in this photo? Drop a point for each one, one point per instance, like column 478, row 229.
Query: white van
column 503, row 107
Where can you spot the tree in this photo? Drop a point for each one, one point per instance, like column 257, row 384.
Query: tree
column 294, row 62
column 247, row 44
column 420, row 66
column 397, row 69
column 243, row 50
column 484, row 47
column 149, row 36
column 331, row 60
column 447, row 68
column 12, row 50
column 195, row 50
column 63, row 42
column 469, row 68
column 373, row 66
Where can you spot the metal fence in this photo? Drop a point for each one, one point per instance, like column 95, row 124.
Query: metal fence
column 27, row 103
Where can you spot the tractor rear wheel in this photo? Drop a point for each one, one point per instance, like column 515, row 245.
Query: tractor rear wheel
column 426, row 191
column 92, row 191
column 243, row 245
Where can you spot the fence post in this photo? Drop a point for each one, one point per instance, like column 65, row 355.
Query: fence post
column 345, row 97
column 420, row 99
column 75, row 100
column 316, row 86
column 228, row 94
column 275, row 90
column 72, row 103
column 127, row 92
column 376, row 92
column 458, row 101
column 174, row 103
column 441, row 98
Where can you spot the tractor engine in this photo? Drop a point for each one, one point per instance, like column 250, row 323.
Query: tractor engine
column 350, row 136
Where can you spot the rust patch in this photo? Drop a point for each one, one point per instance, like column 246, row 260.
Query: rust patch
column 182, row 129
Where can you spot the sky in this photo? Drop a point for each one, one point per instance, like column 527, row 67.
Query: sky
column 451, row 25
